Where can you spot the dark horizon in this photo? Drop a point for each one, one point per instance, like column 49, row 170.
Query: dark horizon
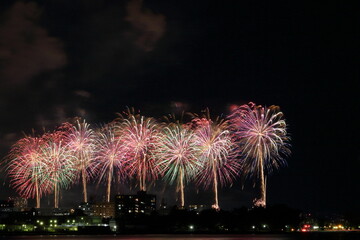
column 59, row 60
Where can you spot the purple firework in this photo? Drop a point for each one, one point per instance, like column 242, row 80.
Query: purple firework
column 263, row 139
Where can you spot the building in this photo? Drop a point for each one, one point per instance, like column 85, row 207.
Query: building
column 55, row 211
column 86, row 208
column 141, row 203
column 104, row 209
column 163, row 208
column 99, row 209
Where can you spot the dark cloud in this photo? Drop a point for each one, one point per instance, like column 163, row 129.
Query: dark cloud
column 82, row 93
column 59, row 114
column 6, row 140
column 26, row 49
column 148, row 27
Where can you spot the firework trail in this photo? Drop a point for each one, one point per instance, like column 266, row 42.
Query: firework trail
column 82, row 142
column 110, row 157
column 25, row 168
column 262, row 135
column 217, row 154
column 177, row 156
column 140, row 136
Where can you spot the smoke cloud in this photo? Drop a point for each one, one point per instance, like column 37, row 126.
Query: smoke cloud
column 148, row 26
column 26, row 49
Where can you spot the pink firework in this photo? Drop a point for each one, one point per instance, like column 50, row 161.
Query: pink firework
column 59, row 159
column 82, row 142
column 26, row 167
column 110, row 157
column 217, row 154
column 60, row 133
column 60, row 167
column 177, row 156
column 140, row 136
column 262, row 135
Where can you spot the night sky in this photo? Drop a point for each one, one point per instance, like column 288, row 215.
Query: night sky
column 92, row 58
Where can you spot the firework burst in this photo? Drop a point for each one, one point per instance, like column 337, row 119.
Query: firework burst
column 110, row 157
column 140, row 136
column 25, row 168
column 81, row 141
column 60, row 167
column 262, row 135
column 177, row 156
column 217, row 154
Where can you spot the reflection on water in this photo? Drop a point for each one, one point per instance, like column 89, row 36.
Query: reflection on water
column 300, row 236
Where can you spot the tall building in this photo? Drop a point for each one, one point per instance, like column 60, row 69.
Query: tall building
column 141, row 203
